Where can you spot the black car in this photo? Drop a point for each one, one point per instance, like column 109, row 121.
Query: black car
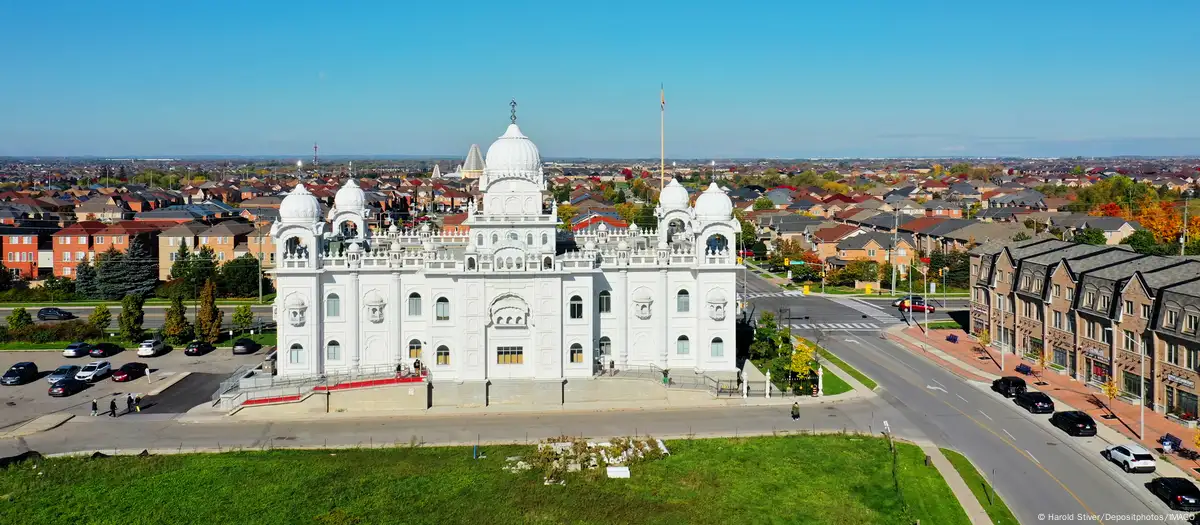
column 245, row 346
column 67, row 387
column 1035, row 402
column 104, row 350
column 1009, row 386
column 1074, row 423
column 54, row 314
column 198, row 348
column 1179, row 493
column 20, row 374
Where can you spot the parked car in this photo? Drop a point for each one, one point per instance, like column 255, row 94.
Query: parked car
column 917, row 305
column 1035, row 402
column 20, row 374
column 1132, row 458
column 67, row 387
column 54, row 314
column 901, row 300
column 1074, row 423
column 80, row 349
column 245, row 346
column 1009, row 386
column 94, row 371
column 150, row 348
column 1179, row 493
column 130, row 371
column 104, row 350
column 198, row 348
column 62, row 372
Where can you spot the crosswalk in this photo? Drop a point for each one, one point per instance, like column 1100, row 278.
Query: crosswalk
column 784, row 293
column 847, row 327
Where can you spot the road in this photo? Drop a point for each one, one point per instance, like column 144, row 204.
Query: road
column 155, row 315
column 1036, row 468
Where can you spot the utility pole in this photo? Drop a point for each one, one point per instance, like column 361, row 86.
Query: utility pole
column 1187, row 197
column 892, row 252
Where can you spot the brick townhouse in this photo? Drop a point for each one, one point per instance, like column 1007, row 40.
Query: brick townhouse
column 1098, row 313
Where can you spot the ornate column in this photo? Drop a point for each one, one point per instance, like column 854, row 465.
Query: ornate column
column 354, row 334
column 667, row 309
column 394, row 310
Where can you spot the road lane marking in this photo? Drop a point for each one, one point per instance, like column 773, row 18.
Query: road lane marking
column 936, row 382
column 931, row 387
column 987, row 416
column 1014, row 438
column 962, row 398
column 1033, row 458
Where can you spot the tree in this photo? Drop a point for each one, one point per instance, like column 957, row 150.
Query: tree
column 18, row 319
column 208, row 317
column 203, row 268
column 1042, row 364
column 181, row 268
column 763, row 203
column 110, row 277
column 765, row 333
column 1143, row 242
column 1108, row 209
column 566, row 213
column 100, row 319
column 1161, row 219
column 130, row 320
column 59, row 288
column 1110, row 390
column 1093, row 236
column 243, row 317
column 176, row 327
column 1021, row 236
column 240, row 277
column 6, row 280
column 139, row 268
column 801, row 358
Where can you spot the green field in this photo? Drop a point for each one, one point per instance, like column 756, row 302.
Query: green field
column 862, row 378
column 833, row 479
column 834, row 385
column 995, row 507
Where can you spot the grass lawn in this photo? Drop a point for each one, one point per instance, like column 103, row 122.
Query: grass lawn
column 995, row 508
column 831, row 479
column 943, row 325
column 834, row 385
column 268, row 338
column 862, row 378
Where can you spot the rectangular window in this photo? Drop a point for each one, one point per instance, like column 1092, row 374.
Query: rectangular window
column 28, row 239
column 1192, row 355
column 272, row 257
column 1128, row 307
column 1091, row 330
column 67, row 271
column 682, row 346
column 442, row 309
column 414, row 305
column 902, row 252
column 1172, row 318
column 294, row 354
column 1028, row 308
column 1173, row 353
column 1104, row 304
column 99, row 239
column 221, row 256
column 1105, row 336
column 78, row 256
column 605, row 302
column 682, row 302
column 576, row 354
column 173, row 254
column 1058, row 317
column 443, row 355
column 1146, row 312
column 1192, row 323
column 171, row 241
column 718, row 348
column 83, row 240
column 510, row 355
column 870, row 253
column 66, row 257
column 576, row 309
column 65, row 240
column 1089, row 299
column 1130, row 343
column 1070, row 294
column 1025, row 283
column 12, row 240
column 1056, row 291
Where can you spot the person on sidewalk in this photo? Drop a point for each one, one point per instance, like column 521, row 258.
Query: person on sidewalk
column 796, row 411
column 137, row 402
column 112, row 408
column 95, row 407
column 128, row 403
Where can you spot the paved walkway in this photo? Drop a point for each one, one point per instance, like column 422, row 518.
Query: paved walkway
column 958, row 486
column 1065, row 390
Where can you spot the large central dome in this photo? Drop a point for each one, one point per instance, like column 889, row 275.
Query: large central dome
column 513, row 152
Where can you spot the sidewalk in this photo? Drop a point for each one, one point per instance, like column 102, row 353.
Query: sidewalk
column 1073, row 393
column 970, row 504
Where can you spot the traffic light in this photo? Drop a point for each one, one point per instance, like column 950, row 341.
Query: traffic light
column 787, row 262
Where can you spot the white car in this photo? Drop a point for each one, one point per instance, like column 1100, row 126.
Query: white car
column 150, row 348
column 94, row 371
column 1132, row 458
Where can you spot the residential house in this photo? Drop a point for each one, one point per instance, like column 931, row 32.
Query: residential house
column 73, row 245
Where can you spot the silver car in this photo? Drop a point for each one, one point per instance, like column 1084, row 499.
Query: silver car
column 62, row 372
column 94, row 371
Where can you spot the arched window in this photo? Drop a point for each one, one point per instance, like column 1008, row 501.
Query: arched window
column 495, row 238
column 296, row 354
column 718, row 347
column 605, row 302
column 441, row 309
column 414, row 349
column 576, row 353
column 545, row 239
column 333, row 351
column 605, row 346
column 683, row 301
column 471, row 262
column 716, row 243
column 508, row 320
column 414, row 304
column 547, row 263
column 683, row 346
column 520, row 262
column 333, row 305
column 529, row 239
column 576, row 307
column 479, row 239
column 512, row 236
column 443, row 355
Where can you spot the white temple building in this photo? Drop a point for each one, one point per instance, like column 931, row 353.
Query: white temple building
column 502, row 302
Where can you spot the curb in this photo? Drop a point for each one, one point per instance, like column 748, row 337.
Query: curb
column 40, row 424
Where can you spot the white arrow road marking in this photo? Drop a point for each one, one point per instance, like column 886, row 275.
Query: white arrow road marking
column 931, row 387
column 987, row 416
column 935, row 381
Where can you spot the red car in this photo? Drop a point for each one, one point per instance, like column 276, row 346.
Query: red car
column 916, row 305
column 129, row 372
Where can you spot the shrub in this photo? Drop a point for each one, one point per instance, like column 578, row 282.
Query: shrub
column 19, row 319
column 73, row 330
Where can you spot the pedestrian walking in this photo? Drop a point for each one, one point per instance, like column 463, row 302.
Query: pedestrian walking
column 137, row 402
column 112, row 408
column 795, row 411
column 128, row 403
column 95, row 408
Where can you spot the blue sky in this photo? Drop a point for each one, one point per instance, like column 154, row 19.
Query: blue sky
column 742, row 79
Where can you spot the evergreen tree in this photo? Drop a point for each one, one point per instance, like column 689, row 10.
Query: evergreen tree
column 110, row 278
column 176, row 328
column 181, row 268
column 18, row 319
column 208, row 317
column 130, row 321
column 140, row 269
column 85, row 281
column 202, row 268
column 100, row 318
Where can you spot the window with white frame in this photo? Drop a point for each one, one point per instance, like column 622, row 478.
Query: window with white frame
column 604, row 302
column 443, row 355
column 510, row 355
column 1173, row 353
column 441, row 309
column 296, row 354
column 1058, row 320
column 1128, row 307
column 1130, row 342
column 576, row 353
column 683, row 345
column 718, row 347
column 1193, row 321
column 414, row 349
column 576, row 307
column 414, row 304
column 682, row 301
column 333, row 351
column 1146, row 312
column 333, row 305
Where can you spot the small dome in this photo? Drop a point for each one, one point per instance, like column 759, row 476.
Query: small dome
column 714, row 204
column 350, row 197
column 300, row 206
column 589, row 245
column 674, row 196
column 643, row 295
column 662, row 245
column 603, row 227
column 295, row 301
column 355, row 247
column 513, row 151
column 393, row 228
column 373, row 298
column 716, row 296
column 633, row 229
column 427, row 245
column 622, row 245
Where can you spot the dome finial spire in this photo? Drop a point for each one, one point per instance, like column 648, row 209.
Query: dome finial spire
column 513, row 105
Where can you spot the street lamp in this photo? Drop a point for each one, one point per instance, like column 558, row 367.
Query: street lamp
column 1001, row 330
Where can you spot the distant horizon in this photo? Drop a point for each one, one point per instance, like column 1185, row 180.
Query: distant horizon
column 346, row 158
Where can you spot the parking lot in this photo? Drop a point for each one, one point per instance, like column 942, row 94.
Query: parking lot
column 31, row 400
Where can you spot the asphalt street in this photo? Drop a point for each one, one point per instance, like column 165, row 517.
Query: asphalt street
column 155, row 315
column 1036, row 468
